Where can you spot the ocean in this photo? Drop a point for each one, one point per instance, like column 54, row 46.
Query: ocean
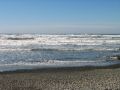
column 29, row 51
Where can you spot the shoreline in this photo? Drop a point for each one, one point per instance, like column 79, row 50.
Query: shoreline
column 59, row 69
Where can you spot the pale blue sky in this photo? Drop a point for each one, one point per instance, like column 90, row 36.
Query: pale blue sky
column 60, row 16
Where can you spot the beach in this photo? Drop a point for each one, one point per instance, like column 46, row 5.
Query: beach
column 59, row 44
column 62, row 79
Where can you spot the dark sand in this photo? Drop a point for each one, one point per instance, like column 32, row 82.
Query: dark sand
column 62, row 79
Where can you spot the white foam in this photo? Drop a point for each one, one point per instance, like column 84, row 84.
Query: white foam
column 17, row 49
column 56, row 63
column 61, row 49
column 60, row 39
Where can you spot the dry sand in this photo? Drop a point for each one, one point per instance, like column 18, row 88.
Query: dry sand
column 62, row 79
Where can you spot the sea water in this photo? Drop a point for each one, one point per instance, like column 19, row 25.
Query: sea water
column 28, row 51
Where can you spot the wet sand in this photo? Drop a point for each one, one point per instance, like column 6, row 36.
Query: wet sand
column 62, row 79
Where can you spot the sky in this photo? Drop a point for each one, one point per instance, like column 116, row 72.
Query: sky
column 60, row 16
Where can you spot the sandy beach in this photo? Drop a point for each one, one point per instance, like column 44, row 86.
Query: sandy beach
column 62, row 79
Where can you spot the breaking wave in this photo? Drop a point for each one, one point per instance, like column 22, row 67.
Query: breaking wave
column 61, row 49
column 54, row 64
column 58, row 63
column 20, row 38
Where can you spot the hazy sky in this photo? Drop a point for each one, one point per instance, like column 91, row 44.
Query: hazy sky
column 60, row 16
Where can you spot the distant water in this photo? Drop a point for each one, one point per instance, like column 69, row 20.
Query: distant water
column 27, row 51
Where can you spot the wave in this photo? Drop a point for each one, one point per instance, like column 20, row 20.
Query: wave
column 67, row 41
column 46, row 62
column 77, row 49
column 58, row 36
column 60, row 49
column 59, row 39
column 57, row 63
column 15, row 49
column 20, row 38
column 54, row 64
